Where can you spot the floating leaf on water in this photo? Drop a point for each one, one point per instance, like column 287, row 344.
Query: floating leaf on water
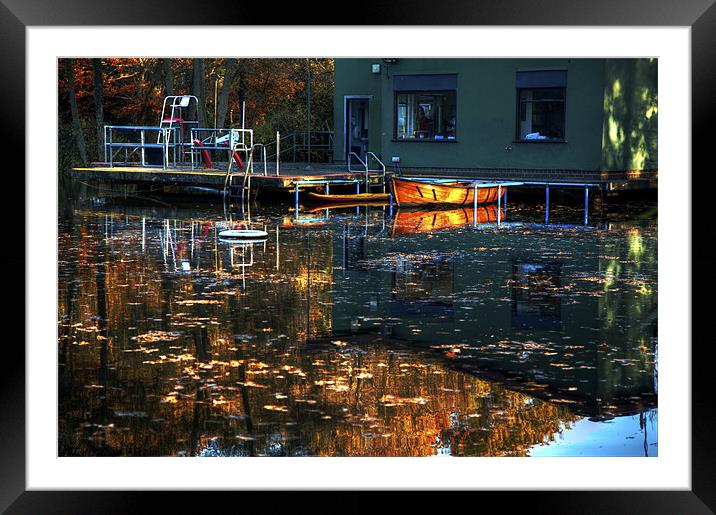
column 190, row 302
column 272, row 407
column 157, row 336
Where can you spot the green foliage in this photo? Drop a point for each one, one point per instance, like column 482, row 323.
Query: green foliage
column 630, row 137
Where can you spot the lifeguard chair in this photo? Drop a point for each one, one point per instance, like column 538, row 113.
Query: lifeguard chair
column 175, row 112
column 198, row 143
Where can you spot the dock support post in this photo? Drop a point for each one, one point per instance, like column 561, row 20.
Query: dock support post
column 142, row 140
column 357, row 187
column 546, row 204
column 474, row 205
column 390, row 199
column 278, row 144
column 586, row 204
column 296, row 201
column 328, row 187
column 499, row 202
column 277, row 248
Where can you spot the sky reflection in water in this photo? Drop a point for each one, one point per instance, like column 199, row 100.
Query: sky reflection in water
column 355, row 332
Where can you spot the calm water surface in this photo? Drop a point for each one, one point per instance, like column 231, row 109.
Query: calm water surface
column 357, row 332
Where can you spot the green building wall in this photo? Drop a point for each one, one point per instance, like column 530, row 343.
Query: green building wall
column 610, row 115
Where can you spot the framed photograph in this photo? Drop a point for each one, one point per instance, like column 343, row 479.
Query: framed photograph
column 429, row 258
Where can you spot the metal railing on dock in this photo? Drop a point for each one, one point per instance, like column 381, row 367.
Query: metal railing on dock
column 228, row 140
column 302, row 145
column 547, row 184
column 146, row 152
column 365, row 167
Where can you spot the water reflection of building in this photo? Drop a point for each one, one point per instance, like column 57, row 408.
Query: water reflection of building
column 422, row 285
column 529, row 306
column 535, row 300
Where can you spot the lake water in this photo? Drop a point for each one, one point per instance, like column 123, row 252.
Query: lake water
column 357, row 332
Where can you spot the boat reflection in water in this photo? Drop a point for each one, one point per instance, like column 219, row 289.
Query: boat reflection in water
column 354, row 334
column 420, row 221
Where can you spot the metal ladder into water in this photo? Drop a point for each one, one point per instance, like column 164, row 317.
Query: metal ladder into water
column 245, row 186
column 367, row 170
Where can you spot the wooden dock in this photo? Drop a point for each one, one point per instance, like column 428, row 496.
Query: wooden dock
column 215, row 177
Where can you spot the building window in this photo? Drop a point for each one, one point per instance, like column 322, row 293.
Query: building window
column 426, row 115
column 425, row 107
column 541, row 105
column 541, row 114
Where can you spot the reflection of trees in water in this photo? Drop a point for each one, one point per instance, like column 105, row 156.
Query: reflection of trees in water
column 199, row 364
column 628, row 308
column 167, row 363
column 412, row 406
column 147, row 332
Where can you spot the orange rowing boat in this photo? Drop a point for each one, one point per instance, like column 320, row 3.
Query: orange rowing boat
column 350, row 198
column 342, row 205
column 412, row 192
column 415, row 222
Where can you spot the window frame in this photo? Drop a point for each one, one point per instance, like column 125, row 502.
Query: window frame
column 396, row 93
column 518, row 139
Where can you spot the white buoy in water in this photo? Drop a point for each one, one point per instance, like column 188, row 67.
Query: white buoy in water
column 244, row 234
column 242, row 241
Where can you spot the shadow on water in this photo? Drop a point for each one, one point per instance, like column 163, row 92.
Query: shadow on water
column 356, row 331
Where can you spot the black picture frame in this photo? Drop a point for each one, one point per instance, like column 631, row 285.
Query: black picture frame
column 700, row 15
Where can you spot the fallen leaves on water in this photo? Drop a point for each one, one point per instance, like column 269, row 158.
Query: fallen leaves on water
column 190, row 302
column 273, row 407
column 251, row 384
column 170, row 399
column 392, row 400
column 157, row 336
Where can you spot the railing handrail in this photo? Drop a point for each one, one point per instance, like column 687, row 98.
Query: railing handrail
column 263, row 154
column 196, row 132
column 370, row 154
column 382, row 165
column 140, row 127
column 142, row 144
column 351, row 154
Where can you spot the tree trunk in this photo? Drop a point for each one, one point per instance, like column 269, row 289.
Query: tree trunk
column 199, row 89
column 168, row 77
column 243, row 63
column 232, row 66
column 75, row 112
column 99, row 106
column 151, row 77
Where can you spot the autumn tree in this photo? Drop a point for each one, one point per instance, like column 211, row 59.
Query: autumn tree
column 231, row 67
column 94, row 92
column 198, row 89
column 99, row 105
column 168, row 77
column 77, row 126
